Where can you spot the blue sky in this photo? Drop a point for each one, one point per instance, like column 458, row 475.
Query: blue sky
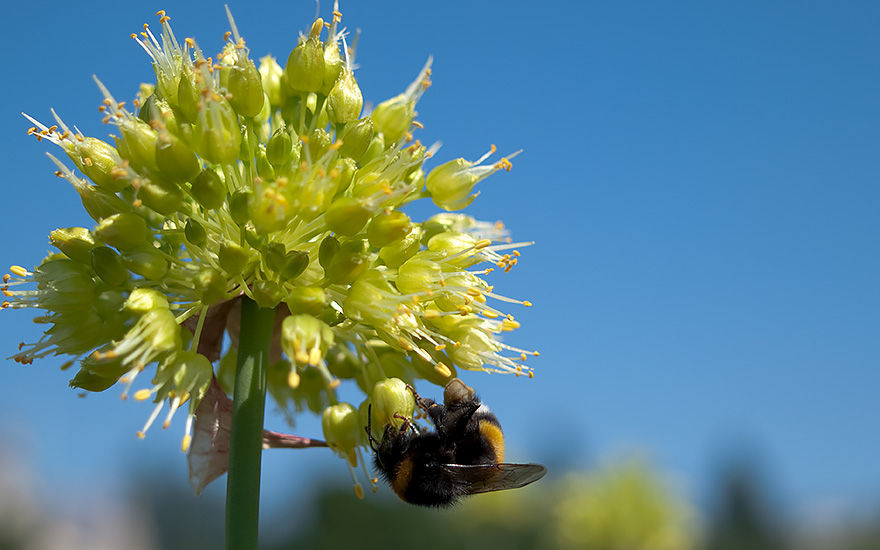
column 701, row 180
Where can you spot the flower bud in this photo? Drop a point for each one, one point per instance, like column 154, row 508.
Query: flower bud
column 74, row 242
column 342, row 428
column 265, row 170
column 305, row 339
column 328, row 248
column 400, row 251
column 267, row 294
column 349, row 262
column 388, row 228
column 109, row 373
column 210, row 286
column 376, row 148
column 189, row 92
column 233, row 259
column 101, row 203
column 392, row 403
column 142, row 300
column 347, row 216
column 139, row 142
column 175, row 159
column 306, row 299
column 356, row 138
column 332, row 66
column 194, row 232
column 160, row 195
column 295, row 263
column 146, row 261
column 123, row 231
column 279, row 147
column 417, row 275
column 305, row 64
column 108, row 265
column 270, row 76
column 246, row 88
column 216, row 133
column 239, row 206
column 98, row 160
column 319, row 143
column 345, row 101
column 209, row 189
column 393, row 118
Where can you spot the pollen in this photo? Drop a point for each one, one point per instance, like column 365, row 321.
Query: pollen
column 18, row 270
column 142, row 395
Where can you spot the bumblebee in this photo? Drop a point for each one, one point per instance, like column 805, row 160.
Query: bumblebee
column 463, row 455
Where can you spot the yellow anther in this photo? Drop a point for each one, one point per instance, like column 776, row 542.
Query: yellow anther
column 8, row 293
column 184, row 445
column 481, row 244
column 293, row 380
column 5, row 304
column 516, row 253
column 527, row 303
column 431, row 314
column 337, row 15
column 489, row 314
column 302, row 357
column 359, row 491
column 474, row 292
column 53, row 128
column 164, row 19
column 405, row 344
column 531, row 374
column 315, row 31
column 141, row 434
column 523, row 356
column 226, row 35
column 142, row 395
column 335, row 383
column 18, row 270
column 160, row 13
column 440, row 347
column 465, row 310
column 87, row 161
column 190, row 42
column 314, row 356
column 336, row 145
column 6, row 277
column 418, row 125
column 442, row 370
column 134, row 36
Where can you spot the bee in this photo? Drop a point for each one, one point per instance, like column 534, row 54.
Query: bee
column 463, row 455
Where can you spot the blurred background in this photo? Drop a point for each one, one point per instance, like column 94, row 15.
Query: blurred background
column 702, row 184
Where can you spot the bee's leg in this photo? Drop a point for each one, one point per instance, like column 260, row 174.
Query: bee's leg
column 423, row 403
column 372, row 440
column 407, row 423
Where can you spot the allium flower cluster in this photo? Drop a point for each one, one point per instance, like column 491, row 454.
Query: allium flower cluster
column 227, row 179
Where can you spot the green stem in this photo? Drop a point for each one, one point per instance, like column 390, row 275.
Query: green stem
column 246, row 438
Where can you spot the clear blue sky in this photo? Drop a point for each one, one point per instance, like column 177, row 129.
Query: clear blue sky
column 701, row 180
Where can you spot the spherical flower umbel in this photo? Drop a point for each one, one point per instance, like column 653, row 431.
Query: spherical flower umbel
column 229, row 178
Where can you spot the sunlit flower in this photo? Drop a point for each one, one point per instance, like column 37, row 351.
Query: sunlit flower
column 226, row 178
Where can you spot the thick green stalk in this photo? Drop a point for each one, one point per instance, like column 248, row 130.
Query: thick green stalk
column 245, row 447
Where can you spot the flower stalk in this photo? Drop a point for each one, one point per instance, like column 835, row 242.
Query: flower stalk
column 246, row 444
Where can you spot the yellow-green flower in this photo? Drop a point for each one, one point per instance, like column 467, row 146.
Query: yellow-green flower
column 228, row 178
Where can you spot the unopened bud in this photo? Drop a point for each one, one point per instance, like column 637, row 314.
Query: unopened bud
column 175, row 159
column 347, row 216
column 233, row 259
column 98, row 160
column 210, row 286
column 279, row 147
column 345, row 101
column 161, row 195
column 306, row 299
column 267, row 294
column 388, row 228
column 246, row 88
column 122, row 231
column 194, row 232
column 342, row 428
column 349, row 262
column 108, row 266
column 146, row 261
column 356, row 138
column 305, row 64
column 400, row 251
column 74, row 242
column 209, row 189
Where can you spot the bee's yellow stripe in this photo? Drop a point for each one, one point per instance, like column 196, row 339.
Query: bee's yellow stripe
column 492, row 432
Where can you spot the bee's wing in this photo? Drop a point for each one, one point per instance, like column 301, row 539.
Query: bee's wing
column 483, row 478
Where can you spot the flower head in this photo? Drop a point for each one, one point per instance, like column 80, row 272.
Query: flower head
column 228, row 178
